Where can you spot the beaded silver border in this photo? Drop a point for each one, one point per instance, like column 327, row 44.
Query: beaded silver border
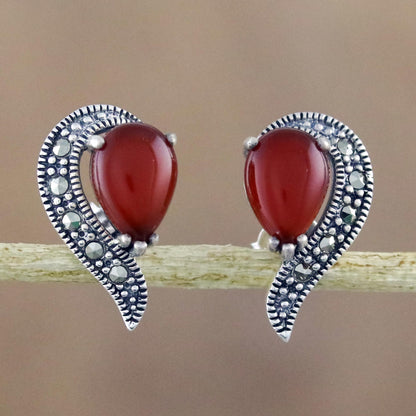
column 345, row 213
column 70, row 212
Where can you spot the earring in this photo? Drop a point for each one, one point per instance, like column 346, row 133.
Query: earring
column 309, row 181
column 133, row 170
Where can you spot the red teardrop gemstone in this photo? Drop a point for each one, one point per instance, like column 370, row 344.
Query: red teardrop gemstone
column 134, row 176
column 286, row 179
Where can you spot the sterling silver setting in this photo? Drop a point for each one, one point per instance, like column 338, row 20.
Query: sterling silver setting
column 346, row 210
column 82, row 225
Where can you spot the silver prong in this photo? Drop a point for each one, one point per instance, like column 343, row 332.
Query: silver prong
column 324, row 143
column 302, row 241
column 139, row 248
column 273, row 244
column 262, row 241
column 250, row 143
column 95, row 142
column 124, row 240
column 172, row 138
column 153, row 239
column 312, row 227
column 288, row 251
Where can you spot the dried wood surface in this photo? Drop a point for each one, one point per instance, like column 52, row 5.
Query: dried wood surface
column 211, row 267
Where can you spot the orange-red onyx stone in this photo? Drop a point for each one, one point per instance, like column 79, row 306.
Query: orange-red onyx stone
column 134, row 176
column 286, row 179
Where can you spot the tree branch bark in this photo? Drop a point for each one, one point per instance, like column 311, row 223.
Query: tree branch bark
column 211, row 267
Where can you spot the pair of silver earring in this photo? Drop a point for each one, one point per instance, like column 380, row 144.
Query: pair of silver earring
column 308, row 178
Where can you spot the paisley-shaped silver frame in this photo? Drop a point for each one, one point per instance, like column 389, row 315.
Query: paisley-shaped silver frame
column 345, row 213
column 92, row 241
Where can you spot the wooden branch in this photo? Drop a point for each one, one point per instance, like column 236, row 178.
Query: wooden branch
column 211, row 267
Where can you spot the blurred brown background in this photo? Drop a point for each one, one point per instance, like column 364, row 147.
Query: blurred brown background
column 214, row 72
